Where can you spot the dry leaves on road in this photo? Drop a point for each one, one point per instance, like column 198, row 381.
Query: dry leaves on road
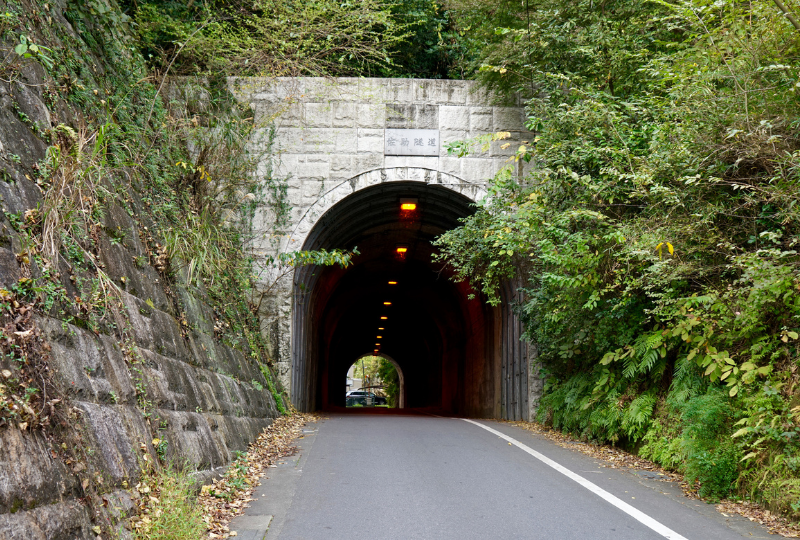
column 226, row 498
column 755, row 512
column 619, row 459
column 616, row 458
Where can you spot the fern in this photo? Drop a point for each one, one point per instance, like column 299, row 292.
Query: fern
column 648, row 361
column 638, row 415
column 631, row 367
column 686, row 383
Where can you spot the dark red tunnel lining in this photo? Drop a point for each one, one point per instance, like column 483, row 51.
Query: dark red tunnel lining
column 448, row 346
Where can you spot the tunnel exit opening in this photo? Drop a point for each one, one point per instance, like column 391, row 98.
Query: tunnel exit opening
column 395, row 301
column 377, row 377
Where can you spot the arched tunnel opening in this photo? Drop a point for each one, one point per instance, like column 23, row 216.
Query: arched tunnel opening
column 448, row 346
column 377, row 376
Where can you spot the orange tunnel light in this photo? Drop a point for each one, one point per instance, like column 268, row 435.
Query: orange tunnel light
column 384, row 318
column 387, row 303
column 392, row 283
column 408, row 204
column 401, row 249
column 380, row 337
column 380, row 328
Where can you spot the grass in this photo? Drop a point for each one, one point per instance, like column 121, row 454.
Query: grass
column 168, row 508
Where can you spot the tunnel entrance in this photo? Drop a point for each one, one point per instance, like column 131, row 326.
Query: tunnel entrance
column 457, row 355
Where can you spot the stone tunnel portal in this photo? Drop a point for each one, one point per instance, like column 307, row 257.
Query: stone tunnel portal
column 447, row 346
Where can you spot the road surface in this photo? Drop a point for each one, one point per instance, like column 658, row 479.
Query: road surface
column 425, row 477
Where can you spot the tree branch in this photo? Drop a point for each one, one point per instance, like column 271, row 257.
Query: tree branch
column 788, row 14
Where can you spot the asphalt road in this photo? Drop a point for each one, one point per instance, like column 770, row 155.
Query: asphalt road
column 424, row 477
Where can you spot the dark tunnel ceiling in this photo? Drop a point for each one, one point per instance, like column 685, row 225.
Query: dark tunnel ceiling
column 373, row 207
column 427, row 319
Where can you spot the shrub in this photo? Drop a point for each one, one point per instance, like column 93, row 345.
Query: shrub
column 711, row 456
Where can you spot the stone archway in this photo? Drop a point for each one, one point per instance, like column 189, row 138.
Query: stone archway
column 333, row 146
column 316, row 211
column 458, row 354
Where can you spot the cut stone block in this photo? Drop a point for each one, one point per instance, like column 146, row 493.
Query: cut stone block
column 508, row 119
column 480, row 119
column 424, row 162
column 344, row 114
column 371, row 115
column 370, row 140
column 318, row 115
column 453, row 118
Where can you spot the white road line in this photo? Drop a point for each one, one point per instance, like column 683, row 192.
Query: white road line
column 597, row 490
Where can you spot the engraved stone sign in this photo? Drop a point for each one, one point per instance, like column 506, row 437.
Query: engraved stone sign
column 411, row 142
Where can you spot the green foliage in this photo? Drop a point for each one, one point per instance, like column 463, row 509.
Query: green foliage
column 277, row 396
column 271, row 37
column 388, row 375
column 663, row 445
column 28, row 49
column 656, row 230
column 543, row 46
column 369, row 367
column 170, row 511
column 400, row 38
column 711, row 457
column 434, row 48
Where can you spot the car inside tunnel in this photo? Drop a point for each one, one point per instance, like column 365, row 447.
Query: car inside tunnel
column 447, row 345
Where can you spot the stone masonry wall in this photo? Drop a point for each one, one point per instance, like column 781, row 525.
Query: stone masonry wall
column 207, row 397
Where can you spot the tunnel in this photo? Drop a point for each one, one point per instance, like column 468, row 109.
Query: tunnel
column 458, row 355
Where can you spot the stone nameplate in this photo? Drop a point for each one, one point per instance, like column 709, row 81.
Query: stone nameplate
column 411, row 142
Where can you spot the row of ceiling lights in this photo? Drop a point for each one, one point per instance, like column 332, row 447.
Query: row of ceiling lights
column 382, row 328
column 407, row 205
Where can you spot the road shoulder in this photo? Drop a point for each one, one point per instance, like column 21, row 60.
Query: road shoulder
column 272, row 499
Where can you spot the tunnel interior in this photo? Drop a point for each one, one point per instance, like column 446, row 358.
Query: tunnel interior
column 447, row 345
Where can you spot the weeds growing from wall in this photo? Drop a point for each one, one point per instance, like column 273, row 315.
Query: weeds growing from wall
column 29, row 398
column 167, row 505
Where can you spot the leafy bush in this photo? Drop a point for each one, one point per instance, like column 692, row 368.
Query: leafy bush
column 662, row 445
column 270, row 37
column 711, row 456
column 716, row 469
column 656, row 229
column 388, row 375
column 399, row 38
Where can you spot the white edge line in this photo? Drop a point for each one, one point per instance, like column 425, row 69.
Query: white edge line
column 597, row 490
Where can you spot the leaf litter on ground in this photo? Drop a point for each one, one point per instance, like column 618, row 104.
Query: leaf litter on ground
column 616, row 458
column 226, row 498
